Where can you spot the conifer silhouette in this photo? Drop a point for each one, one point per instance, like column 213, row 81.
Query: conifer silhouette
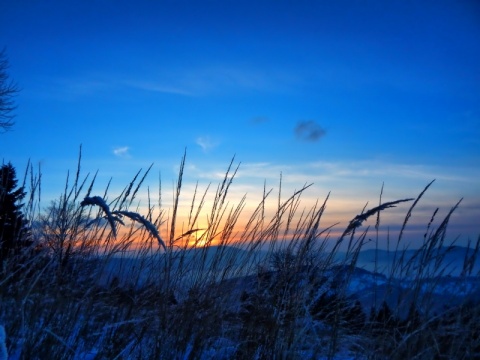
column 13, row 225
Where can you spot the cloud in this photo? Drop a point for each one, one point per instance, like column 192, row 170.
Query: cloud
column 205, row 143
column 122, row 152
column 159, row 87
column 309, row 131
column 193, row 81
column 213, row 80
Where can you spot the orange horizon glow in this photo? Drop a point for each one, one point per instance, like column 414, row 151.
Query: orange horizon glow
column 199, row 235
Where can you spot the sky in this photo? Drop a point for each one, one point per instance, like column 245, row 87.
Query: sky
column 347, row 95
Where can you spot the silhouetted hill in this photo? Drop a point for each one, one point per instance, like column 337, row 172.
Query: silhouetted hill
column 449, row 259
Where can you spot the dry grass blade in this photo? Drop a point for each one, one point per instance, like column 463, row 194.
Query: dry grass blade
column 189, row 232
column 97, row 200
column 441, row 230
column 359, row 219
column 177, row 198
column 409, row 214
column 148, row 225
column 470, row 259
column 140, row 184
column 272, row 285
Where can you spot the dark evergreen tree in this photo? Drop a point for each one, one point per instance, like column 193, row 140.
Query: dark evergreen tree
column 14, row 233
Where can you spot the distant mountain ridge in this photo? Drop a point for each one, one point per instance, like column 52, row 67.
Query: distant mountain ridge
column 381, row 260
column 228, row 257
column 369, row 281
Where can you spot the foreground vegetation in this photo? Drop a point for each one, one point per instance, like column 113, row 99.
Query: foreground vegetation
column 95, row 280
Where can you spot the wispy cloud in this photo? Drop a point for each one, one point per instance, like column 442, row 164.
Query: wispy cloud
column 347, row 178
column 160, row 87
column 309, row 131
column 214, row 79
column 206, row 143
column 204, row 81
column 122, row 152
column 184, row 81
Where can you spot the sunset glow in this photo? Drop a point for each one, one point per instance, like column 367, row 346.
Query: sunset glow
column 345, row 95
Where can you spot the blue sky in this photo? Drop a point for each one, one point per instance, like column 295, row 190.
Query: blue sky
column 344, row 94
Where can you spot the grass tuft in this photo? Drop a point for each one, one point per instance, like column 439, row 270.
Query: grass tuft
column 100, row 282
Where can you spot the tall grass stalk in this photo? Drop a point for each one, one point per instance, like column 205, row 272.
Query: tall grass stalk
column 106, row 280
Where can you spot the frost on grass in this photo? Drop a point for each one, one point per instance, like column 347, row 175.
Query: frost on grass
column 257, row 300
column 148, row 225
column 115, row 216
column 97, row 200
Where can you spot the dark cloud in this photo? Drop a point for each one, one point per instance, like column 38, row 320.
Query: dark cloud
column 309, row 131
